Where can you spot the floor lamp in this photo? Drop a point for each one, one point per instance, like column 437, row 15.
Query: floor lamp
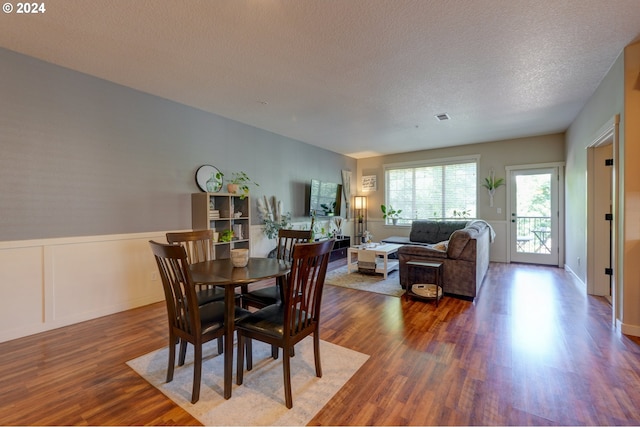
column 360, row 206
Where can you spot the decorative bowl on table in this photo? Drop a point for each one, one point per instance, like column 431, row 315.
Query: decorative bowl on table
column 239, row 257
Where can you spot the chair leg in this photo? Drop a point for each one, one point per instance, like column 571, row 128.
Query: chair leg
column 244, row 289
column 183, row 352
column 286, row 367
column 240, row 361
column 220, row 346
column 249, row 347
column 316, row 353
column 274, row 352
column 172, row 358
column 197, row 372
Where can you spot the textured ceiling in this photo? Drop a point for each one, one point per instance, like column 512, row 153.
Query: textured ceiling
column 358, row 77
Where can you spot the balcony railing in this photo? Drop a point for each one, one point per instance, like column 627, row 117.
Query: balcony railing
column 534, row 234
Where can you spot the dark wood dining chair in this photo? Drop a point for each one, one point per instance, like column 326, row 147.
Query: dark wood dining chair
column 188, row 320
column 298, row 316
column 264, row 296
column 198, row 245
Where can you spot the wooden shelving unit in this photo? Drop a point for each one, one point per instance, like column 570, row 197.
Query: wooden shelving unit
column 220, row 212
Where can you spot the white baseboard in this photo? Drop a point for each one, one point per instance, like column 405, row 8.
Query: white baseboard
column 625, row 328
column 633, row 330
column 580, row 284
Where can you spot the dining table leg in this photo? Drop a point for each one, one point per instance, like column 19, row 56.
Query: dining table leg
column 229, row 326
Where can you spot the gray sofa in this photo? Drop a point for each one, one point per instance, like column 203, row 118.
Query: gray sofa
column 464, row 251
column 427, row 232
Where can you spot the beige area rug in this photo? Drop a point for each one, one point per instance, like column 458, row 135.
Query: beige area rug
column 366, row 282
column 260, row 399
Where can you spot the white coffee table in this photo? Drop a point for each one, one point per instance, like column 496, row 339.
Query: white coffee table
column 381, row 250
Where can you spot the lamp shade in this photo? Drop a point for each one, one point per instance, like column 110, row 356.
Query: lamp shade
column 360, row 202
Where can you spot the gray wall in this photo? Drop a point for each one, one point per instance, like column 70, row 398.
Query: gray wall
column 607, row 101
column 497, row 155
column 83, row 156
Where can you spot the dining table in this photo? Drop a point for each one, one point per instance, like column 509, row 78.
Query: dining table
column 221, row 272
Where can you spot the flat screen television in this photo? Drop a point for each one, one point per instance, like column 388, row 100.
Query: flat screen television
column 325, row 198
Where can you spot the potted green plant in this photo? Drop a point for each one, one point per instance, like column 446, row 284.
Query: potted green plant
column 389, row 212
column 491, row 183
column 240, row 182
column 271, row 227
column 462, row 213
column 226, row 236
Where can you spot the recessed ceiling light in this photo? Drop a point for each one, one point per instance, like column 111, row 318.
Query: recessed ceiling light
column 442, row 116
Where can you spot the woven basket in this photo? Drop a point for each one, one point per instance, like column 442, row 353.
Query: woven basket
column 426, row 290
column 239, row 257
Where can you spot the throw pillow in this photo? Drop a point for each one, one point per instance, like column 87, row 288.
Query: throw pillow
column 441, row 246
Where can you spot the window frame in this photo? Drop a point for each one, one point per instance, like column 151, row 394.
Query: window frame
column 406, row 222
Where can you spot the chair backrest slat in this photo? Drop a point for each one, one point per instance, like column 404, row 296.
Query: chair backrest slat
column 306, row 281
column 197, row 243
column 287, row 239
column 181, row 300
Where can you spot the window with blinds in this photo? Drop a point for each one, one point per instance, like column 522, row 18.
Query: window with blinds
column 445, row 189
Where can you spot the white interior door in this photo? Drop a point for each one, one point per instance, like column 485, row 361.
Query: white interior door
column 534, row 204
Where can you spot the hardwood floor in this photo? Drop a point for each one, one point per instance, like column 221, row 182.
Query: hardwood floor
column 532, row 350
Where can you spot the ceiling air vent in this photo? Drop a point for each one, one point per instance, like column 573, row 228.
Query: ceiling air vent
column 442, row 117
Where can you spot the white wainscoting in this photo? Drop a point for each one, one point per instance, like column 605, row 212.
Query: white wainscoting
column 51, row 283
column 500, row 246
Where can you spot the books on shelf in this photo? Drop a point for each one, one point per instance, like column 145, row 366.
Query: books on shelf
column 214, row 214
